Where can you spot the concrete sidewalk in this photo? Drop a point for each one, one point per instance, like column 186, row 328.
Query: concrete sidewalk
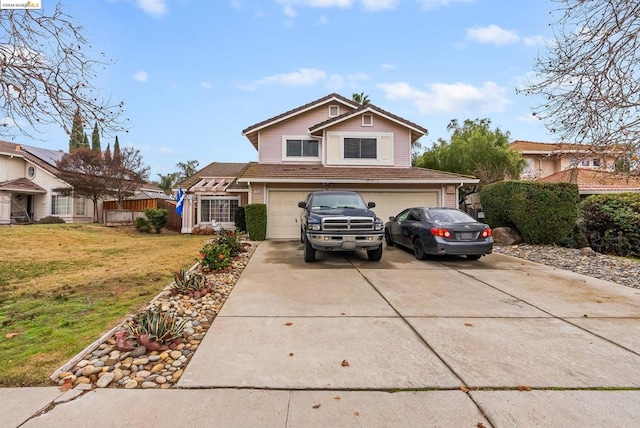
column 347, row 342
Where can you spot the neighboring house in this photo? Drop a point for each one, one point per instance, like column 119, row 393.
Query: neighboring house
column 544, row 159
column 28, row 179
column 591, row 169
column 592, row 182
column 330, row 143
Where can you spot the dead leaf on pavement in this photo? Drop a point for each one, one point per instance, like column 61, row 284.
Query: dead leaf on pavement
column 480, row 425
column 464, row 389
column 524, row 388
column 343, row 313
column 345, row 363
column 288, row 324
column 315, row 406
column 337, row 397
column 68, row 383
column 356, row 413
column 291, row 354
column 586, row 316
column 468, row 324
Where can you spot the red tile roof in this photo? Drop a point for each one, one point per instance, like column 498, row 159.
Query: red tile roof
column 531, row 147
column 593, row 181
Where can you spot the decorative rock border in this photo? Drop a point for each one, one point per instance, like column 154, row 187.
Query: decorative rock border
column 102, row 365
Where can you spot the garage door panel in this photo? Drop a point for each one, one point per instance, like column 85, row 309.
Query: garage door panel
column 283, row 214
column 391, row 203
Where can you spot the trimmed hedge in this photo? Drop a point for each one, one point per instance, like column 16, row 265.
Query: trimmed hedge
column 543, row 213
column 611, row 223
column 256, row 219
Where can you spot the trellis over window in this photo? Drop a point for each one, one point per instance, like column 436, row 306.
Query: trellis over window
column 221, row 209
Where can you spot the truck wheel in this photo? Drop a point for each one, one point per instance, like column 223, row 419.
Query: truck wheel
column 309, row 252
column 375, row 255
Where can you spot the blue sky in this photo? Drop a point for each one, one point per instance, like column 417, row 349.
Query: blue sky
column 194, row 74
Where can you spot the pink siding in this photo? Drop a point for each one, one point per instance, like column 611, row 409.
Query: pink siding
column 271, row 138
column 450, row 200
column 401, row 136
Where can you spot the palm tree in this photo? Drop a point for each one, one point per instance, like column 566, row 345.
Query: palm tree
column 167, row 181
column 187, row 169
column 360, row 98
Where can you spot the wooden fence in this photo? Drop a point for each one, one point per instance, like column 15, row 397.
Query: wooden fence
column 136, row 208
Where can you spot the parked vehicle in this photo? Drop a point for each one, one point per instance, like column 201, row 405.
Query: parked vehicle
column 339, row 221
column 439, row 231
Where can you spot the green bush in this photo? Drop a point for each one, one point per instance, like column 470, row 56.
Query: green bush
column 231, row 240
column 256, row 217
column 575, row 239
column 142, row 224
column 611, row 223
column 215, row 256
column 158, row 217
column 240, row 220
column 543, row 213
column 51, row 220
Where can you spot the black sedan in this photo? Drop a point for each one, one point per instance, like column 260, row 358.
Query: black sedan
column 439, row 231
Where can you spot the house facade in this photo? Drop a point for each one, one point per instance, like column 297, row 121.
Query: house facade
column 329, row 143
column 28, row 179
column 544, row 159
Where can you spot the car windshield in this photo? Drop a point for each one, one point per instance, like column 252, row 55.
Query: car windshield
column 449, row 216
column 328, row 202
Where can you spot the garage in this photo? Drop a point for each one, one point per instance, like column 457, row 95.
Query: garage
column 391, row 203
column 283, row 213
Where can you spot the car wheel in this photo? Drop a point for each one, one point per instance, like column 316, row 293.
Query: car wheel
column 309, row 252
column 473, row 256
column 301, row 236
column 387, row 238
column 375, row 255
column 418, row 249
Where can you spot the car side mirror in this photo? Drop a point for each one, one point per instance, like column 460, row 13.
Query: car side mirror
column 302, row 204
column 392, row 218
column 371, row 205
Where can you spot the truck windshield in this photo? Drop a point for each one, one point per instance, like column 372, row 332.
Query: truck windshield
column 327, row 202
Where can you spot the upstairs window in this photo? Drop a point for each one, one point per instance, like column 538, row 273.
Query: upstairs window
column 596, row 162
column 360, row 148
column 334, row 111
column 302, row 148
column 367, row 120
column 585, row 162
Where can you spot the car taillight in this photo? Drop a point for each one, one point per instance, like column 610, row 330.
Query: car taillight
column 487, row 233
column 444, row 233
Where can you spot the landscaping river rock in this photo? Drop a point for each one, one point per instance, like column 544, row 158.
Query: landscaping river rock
column 107, row 366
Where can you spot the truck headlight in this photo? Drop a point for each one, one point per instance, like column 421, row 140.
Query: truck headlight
column 378, row 224
column 314, row 227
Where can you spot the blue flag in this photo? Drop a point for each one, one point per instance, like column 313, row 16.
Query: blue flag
column 180, row 202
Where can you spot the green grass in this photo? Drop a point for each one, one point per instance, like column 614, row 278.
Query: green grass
column 64, row 286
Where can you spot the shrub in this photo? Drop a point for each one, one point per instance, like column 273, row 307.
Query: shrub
column 215, row 256
column 51, row 220
column 142, row 224
column 204, row 230
column 256, row 218
column 158, row 217
column 189, row 283
column 611, row 223
column 232, row 241
column 543, row 213
column 240, row 220
column 156, row 326
column 575, row 239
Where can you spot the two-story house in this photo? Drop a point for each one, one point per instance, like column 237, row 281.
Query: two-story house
column 329, row 143
column 28, row 183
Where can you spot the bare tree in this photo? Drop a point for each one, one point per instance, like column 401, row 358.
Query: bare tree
column 46, row 75
column 126, row 173
column 589, row 75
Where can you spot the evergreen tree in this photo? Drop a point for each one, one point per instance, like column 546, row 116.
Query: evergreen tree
column 95, row 139
column 77, row 133
column 116, row 150
column 107, row 154
column 85, row 141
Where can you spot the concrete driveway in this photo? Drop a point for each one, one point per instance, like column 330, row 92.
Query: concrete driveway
column 445, row 342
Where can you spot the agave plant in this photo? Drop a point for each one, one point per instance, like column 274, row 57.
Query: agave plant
column 155, row 326
column 185, row 282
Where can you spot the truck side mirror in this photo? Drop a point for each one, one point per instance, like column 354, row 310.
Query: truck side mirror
column 302, row 204
column 371, row 205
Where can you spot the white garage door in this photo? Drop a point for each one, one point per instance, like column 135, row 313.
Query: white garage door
column 283, row 214
column 390, row 203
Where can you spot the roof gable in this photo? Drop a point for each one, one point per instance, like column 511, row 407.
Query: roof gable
column 214, row 169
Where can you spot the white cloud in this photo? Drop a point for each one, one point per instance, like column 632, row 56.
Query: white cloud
column 450, row 98
column 433, row 4
column 8, row 122
column 206, row 85
column 140, row 76
column 388, row 66
column 288, row 11
column 370, row 5
column 492, row 35
column 375, row 5
column 164, row 150
column 323, row 20
column 302, row 77
column 534, row 40
column 530, row 118
column 153, row 7
column 236, row 4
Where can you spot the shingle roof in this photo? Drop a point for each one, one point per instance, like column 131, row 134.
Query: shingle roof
column 33, row 155
column 319, row 173
column 21, row 185
column 558, row 148
column 214, row 169
column 594, row 181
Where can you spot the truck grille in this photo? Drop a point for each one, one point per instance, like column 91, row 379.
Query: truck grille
column 347, row 223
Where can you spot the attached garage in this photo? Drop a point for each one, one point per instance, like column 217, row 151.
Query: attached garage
column 283, row 213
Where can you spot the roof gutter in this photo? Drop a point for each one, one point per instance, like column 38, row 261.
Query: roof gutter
column 359, row 181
